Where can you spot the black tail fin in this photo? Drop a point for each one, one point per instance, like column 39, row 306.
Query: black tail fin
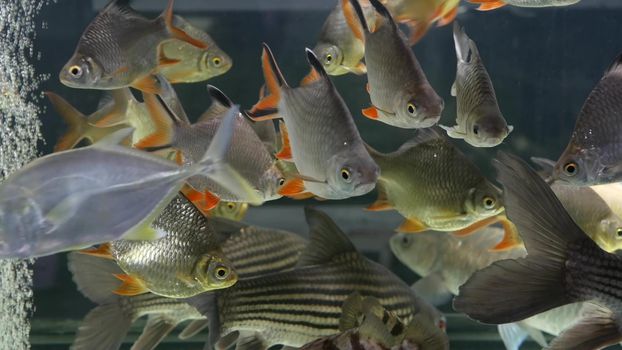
column 511, row 290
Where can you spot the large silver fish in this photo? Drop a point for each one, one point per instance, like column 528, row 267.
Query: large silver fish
column 252, row 250
column 298, row 306
column 121, row 48
column 563, row 266
column 321, row 137
column 594, row 154
column 99, row 193
column 479, row 120
column 487, row 5
column 398, row 88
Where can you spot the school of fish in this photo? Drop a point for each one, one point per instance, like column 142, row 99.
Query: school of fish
column 150, row 204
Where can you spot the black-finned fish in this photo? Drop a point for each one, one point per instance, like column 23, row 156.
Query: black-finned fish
column 338, row 47
column 246, row 154
column 563, row 266
column 594, row 154
column 252, row 250
column 487, row 5
column 400, row 93
column 298, row 306
column 479, row 120
column 366, row 325
column 435, row 186
column 78, row 198
column 186, row 261
column 121, row 48
column 320, row 136
column 195, row 64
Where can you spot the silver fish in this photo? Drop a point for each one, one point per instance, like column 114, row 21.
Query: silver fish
column 563, row 266
column 479, row 120
column 400, row 93
column 594, row 154
column 322, row 139
column 298, row 306
column 252, row 250
column 99, row 193
column 487, row 5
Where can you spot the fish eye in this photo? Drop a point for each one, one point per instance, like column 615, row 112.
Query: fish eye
column 230, row 205
column 405, row 240
column 221, row 272
column 489, row 202
column 476, row 129
column 281, row 181
column 570, row 168
column 411, row 108
column 75, row 71
column 619, row 232
column 216, row 61
column 345, row 175
column 329, row 58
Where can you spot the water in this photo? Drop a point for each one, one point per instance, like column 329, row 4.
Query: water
column 543, row 64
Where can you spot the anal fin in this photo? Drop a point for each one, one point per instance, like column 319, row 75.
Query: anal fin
column 412, row 225
column 130, row 286
column 291, row 187
column 286, row 150
column 148, row 84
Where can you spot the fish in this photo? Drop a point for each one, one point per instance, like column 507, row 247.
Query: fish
column 229, row 210
column 368, row 325
column 399, row 90
column 186, row 261
column 446, row 262
column 436, row 187
column 121, row 48
column 487, row 5
column 196, row 64
column 337, row 47
column 318, row 133
column 563, row 266
column 99, row 193
column 247, row 153
column 593, row 155
column 252, row 250
column 296, row 307
column 479, row 120
column 420, row 15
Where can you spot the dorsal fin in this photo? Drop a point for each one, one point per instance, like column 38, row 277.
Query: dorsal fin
column 169, row 96
column 326, row 240
column 317, row 69
column 423, row 136
column 217, row 95
column 384, row 13
column 220, row 104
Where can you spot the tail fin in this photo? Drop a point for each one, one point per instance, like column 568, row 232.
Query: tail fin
column 177, row 32
column 112, row 108
column 511, row 290
column 104, row 327
column 156, row 329
column 207, row 305
column 382, row 10
column 75, row 119
column 462, row 43
column 214, row 165
column 598, row 329
column 274, row 80
column 357, row 24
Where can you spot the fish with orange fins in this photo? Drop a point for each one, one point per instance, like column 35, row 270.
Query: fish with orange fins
column 247, row 153
column 195, row 64
column 341, row 50
column 420, row 15
column 400, row 93
column 121, row 48
column 436, row 187
column 487, row 5
column 318, row 133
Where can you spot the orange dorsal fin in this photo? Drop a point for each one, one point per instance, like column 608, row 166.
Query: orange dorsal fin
column 286, row 149
column 101, row 251
column 179, row 33
column 312, row 77
column 412, row 225
column 292, row 187
column 130, row 286
column 370, row 112
column 148, row 84
column 266, row 103
column 163, row 134
column 274, row 80
column 352, row 21
column 476, row 226
column 511, row 238
column 487, row 5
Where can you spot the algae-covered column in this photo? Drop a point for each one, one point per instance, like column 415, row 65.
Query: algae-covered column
column 19, row 135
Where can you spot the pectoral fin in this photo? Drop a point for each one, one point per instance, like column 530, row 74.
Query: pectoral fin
column 370, row 112
column 102, row 251
column 130, row 286
column 412, row 225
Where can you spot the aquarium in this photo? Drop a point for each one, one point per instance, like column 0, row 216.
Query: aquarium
column 330, row 134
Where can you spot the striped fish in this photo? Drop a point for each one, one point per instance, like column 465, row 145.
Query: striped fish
column 250, row 249
column 298, row 306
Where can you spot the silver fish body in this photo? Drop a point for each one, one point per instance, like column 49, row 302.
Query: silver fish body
column 594, row 154
column 479, row 119
column 540, row 3
column 398, row 87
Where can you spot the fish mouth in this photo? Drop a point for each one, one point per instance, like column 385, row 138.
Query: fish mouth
column 429, row 121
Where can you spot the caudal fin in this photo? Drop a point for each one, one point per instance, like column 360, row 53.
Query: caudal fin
column 104, row 327
column 75, row 120
column 598, row 329
column 156, row 329
column 511, row 290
